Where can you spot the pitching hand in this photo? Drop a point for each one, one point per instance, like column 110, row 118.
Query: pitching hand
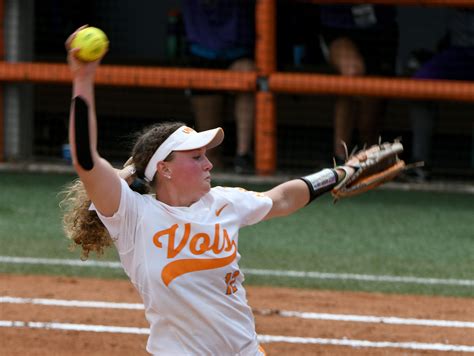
column 79, row 69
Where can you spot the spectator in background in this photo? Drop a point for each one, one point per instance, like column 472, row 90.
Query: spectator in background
column 455, row 62
column 221, row 35
column 358, row 40
column 297, row 49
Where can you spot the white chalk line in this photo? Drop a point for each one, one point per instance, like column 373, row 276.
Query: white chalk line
column 72, row 303
column 260, row 272
column 391, row 320
column 361, row 277
column 73, row 327
column 365, row 343
column 262, row 338
column 284, row 313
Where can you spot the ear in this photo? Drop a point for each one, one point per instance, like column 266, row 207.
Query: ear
column 164, row 170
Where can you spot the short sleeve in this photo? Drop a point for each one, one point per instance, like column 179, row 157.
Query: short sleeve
column 251, row 206
column 122, row 225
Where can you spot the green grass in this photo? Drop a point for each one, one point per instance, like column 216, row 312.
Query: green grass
column 421, row 234
column 381, row 233
column 30, row 221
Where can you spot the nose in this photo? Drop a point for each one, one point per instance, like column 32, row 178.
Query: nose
column 208, row 164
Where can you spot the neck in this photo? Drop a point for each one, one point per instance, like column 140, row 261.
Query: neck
column 171, row 196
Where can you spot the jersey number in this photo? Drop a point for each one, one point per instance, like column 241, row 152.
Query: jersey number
column 230, row 282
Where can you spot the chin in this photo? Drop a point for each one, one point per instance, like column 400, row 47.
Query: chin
column 207, row 187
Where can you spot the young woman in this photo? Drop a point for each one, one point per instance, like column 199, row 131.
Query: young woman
column 179, row 244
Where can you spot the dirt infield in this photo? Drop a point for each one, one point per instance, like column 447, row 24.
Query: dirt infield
column 265, row 301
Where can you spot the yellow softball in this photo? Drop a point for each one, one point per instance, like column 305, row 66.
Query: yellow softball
column 92, row 43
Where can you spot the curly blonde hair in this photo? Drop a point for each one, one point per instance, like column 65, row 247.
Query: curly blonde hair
column 83, row 226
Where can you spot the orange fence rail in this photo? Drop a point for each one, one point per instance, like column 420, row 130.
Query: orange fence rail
column 373, row 86
column 133, row 76
column 302, row 83
column 265, row 81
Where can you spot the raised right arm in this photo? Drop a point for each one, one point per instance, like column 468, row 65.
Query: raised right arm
column 98, row 176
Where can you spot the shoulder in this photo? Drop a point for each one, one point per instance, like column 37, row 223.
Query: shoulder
column 235, row 192
column 133, row 198
column 222, row 191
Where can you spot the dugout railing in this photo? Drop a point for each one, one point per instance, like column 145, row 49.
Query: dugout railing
column 266, row 81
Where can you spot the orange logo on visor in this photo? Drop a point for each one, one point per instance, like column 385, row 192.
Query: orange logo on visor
column 188, row 130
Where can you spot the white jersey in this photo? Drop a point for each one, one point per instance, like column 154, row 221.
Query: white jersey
column 184, row 263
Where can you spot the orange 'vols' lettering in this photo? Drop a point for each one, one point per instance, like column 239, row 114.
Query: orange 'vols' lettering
column 193, row 246
column 198, row 245
column 227, row 241
column 215, row 247
column 225, row 244
column 171, row 232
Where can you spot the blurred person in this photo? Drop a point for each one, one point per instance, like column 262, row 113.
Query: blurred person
column 176, row 236
column 221, row 35
column 296, row 49
column 455, row 62
column 358, row 40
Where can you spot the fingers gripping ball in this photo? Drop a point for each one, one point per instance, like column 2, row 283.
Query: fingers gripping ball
column 92, row 43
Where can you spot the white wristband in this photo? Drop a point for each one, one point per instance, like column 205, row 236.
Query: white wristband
column 320, row 182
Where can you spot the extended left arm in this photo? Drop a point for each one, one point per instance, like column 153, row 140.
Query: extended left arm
column 293, row 195
column 363, row 171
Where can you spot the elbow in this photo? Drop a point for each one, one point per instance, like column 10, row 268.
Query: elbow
column 282, row 209
column 78, row 167
column 84, row 161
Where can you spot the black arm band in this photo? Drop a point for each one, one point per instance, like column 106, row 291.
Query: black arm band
column 81, row 130
column 320, row 182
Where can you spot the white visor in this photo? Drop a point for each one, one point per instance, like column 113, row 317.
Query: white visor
column 183, row 139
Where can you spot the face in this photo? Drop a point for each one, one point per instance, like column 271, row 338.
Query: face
column 190, row 172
